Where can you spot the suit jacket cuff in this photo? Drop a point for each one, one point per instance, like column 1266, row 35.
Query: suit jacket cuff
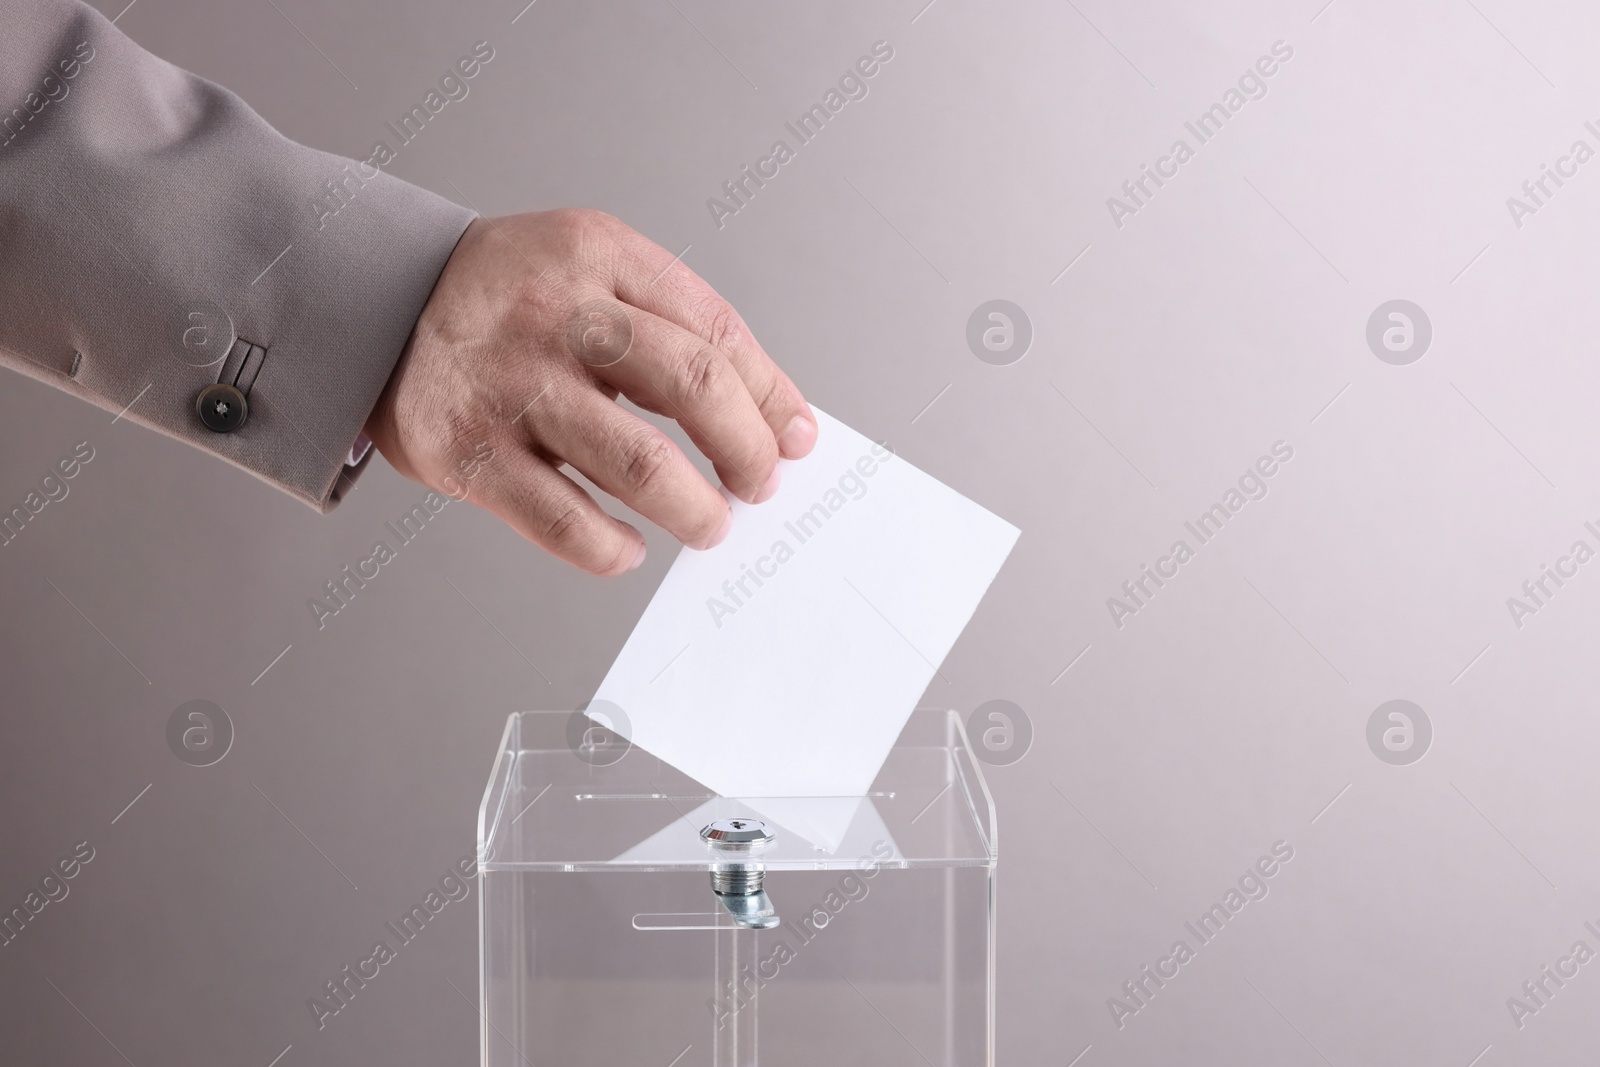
column 149, row 217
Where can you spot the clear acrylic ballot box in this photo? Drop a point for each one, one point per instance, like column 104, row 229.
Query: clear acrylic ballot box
column 629, row 916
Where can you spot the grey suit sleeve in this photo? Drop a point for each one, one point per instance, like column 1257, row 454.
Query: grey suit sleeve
column 157, row 237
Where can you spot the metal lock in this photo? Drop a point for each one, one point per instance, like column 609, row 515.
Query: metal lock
column 738, row 883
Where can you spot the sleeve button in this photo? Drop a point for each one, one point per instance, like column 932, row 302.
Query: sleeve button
column 222, row 407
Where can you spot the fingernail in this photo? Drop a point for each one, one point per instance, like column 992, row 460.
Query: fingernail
column 797, row 439
column 722, row 532
column 770, row 488
column 638, row 559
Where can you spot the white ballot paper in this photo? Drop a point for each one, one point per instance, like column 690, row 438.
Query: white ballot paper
column 785, row 661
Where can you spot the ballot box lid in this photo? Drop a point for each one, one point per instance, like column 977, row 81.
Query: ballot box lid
column 567, row 794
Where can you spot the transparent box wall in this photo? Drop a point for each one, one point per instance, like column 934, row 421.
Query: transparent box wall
column 601, row 941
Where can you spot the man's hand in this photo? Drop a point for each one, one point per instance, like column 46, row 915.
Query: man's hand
column 535, row 326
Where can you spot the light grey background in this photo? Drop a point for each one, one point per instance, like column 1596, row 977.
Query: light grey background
column 1226, row 315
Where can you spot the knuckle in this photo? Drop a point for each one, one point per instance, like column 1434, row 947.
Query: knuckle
column 530, row 295
column 724, row 328
column 456, row 433
column 569, row 532
column 586, row 244
column 774, row 399
column 702, row 377
column 649, row 459
column 570, row 218
column 599, row 332
column 582, row 225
